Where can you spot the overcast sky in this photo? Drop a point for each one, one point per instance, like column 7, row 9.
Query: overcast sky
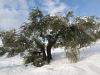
column 14, row 12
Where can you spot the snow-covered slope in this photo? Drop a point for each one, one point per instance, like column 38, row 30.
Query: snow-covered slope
column 89, row 64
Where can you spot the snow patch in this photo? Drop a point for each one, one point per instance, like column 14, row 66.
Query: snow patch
column 89, row 64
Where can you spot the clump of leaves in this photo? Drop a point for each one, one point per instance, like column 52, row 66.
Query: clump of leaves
column 34, row 56
column 73, row 55
column 2, row 51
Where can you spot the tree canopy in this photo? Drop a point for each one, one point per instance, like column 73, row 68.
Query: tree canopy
column 55, row 30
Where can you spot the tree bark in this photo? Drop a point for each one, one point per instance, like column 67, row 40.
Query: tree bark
column 49, row 55
column 51, row 42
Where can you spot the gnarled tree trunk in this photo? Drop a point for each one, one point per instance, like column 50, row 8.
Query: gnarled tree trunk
column 51, row 42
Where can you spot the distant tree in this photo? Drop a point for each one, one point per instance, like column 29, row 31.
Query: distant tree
column 8, row 38
column 55, row 30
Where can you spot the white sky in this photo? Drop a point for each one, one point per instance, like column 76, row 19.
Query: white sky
column 13, row 13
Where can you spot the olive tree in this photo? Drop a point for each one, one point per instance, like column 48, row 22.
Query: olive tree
column 72, row 35
column 43, row 32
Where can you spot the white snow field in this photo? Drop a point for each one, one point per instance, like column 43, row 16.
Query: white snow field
column 89, row 64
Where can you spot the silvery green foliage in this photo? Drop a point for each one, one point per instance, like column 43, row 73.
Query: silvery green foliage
column 72, row 35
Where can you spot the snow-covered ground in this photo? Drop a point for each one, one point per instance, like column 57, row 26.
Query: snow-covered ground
column 89, row 64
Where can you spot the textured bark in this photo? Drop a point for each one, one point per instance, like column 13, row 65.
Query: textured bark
column 49, row 55
column 51, row 42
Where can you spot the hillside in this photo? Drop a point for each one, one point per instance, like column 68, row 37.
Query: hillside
column 89, row 64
